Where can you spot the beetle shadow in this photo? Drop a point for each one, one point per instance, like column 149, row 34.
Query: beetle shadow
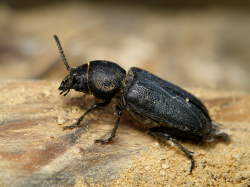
column 83, row 102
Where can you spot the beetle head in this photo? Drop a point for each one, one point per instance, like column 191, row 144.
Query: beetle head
column 67, row 83
column 77, row 79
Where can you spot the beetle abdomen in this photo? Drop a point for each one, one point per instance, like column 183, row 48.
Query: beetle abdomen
column 146, row 96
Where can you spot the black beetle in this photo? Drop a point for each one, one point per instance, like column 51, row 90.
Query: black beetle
column 166, row 109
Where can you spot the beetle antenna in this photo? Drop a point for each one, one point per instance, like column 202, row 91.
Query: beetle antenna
column 62, row 53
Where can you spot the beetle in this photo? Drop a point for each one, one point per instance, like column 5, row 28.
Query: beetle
column 165, row 109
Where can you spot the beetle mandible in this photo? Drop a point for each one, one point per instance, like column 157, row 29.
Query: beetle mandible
column 166, row 109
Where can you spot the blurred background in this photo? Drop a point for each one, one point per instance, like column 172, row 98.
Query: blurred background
column 189, row 43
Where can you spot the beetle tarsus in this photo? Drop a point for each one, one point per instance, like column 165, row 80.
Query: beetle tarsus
column 70, row 127
column 192, row 165
column 102, row 141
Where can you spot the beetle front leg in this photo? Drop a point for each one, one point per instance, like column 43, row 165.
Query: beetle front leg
column 95, row 106
column 156, row 132
column 118, row 111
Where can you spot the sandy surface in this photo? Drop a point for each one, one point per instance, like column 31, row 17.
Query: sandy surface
column 34, row 150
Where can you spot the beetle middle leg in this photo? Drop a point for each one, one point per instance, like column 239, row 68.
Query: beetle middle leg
column 95, row 106
column 118, row 111
column 156, row 132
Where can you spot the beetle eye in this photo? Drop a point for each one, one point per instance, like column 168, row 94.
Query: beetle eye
column 74, row 77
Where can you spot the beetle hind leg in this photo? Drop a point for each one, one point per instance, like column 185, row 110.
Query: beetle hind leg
column 118, row 111
column 156, row 132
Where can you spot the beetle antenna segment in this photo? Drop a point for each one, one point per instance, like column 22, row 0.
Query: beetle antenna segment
column 62, row 53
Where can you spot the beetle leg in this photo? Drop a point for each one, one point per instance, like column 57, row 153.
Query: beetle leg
column 95, row 106
column 118, row 111
column 156, row 132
